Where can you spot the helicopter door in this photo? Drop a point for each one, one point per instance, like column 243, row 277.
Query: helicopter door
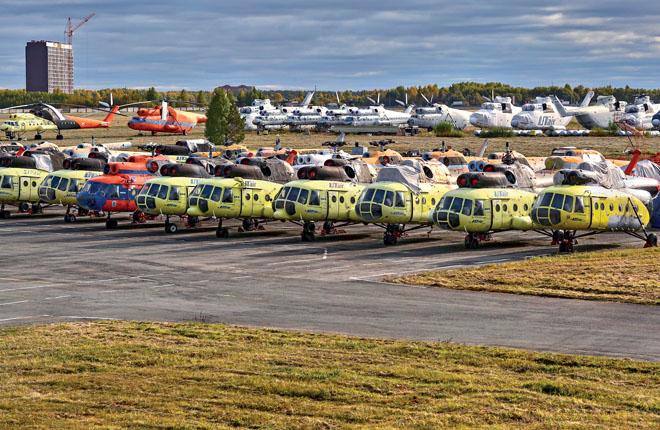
column 333, row 204
column 246, row 201
column 497, row 212
column 600, row 212
column 24, row 188
column 258, row 201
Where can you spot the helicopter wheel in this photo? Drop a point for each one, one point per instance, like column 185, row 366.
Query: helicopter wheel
column 193, row 221
column 248, row 224
column 37, row 209
column 69, row 218
column 389, row 239
column 651, row 241
column 5, row 214
column 37, row 137
column 171, row 227
column 59, row 137
column 111, row 224
column 23, row 207
column 222, row 233
column 309, row 232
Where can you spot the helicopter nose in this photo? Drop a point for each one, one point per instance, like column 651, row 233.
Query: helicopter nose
column 656, row 122
column 515, row 122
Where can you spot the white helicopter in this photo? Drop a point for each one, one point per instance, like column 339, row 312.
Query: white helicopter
column 496, row 113
column 374, row 119
column 640, row 114
column 542, row 114
column 606, row 111
column 249, row 113
column 279, row 118
column 435, row 113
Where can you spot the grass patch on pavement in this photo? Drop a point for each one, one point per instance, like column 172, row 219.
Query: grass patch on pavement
column 630, row 275
column 160, row 375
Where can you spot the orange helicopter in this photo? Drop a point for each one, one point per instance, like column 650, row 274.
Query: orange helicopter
column 164, row 119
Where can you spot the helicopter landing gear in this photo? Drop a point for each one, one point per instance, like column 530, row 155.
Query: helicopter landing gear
column 4, row 214
column 139, row 217
column 651, row 241
column 110, row 223
column 473, row 240
column 59, row 136
column 69, row 218
column 392, row 234
column 248, row 224
column 171, row 227
column 37, row 136
column 221, row 232
column 36, row 208
column 24, row 207
column 192, row 221
column 567, row 242
column 309, row 232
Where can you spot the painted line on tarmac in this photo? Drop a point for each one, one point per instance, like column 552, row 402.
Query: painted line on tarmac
column 14, row 303
column 6, row 290
column 24, row 318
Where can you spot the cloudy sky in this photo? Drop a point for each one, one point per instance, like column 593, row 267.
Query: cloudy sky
column 356, row 44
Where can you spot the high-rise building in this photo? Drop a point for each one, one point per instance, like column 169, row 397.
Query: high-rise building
column 49, row 66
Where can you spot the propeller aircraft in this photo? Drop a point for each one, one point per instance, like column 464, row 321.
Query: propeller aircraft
column 115, row 190
column 401, row 195
column 21, row 175
column 244, row 191
column 61, row 187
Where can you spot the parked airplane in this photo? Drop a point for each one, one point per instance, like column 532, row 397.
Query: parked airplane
column 496, row 113
column 606, row 111
column 542, row 114
column 435, row 113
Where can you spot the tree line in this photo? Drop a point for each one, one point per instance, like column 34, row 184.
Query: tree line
column 467, row 93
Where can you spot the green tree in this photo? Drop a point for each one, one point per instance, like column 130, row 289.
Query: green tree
column 152, row 94
column 224, row 123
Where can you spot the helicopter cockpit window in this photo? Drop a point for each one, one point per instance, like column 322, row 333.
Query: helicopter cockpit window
column 368, row 195
column 314, row 198
column 379, row 196
column 479, row 208
column 529, row 107
column 227, row 196
column 302, row 197
column 579, row 205
column 545, row 201
column 174, row 193
column 63, row 185
column 632, row 109
column 293, row 194
column 558, row 201
column 55, row 182
column 6, row 182
column 446, row 203
column 568, row 203
column 400, row 199
column 153, row 190
column 73, row 186
column 389, row 199
column 457, row 204
column 216, row 194
column 206, row 191
column 113, row 192
column 467, row 207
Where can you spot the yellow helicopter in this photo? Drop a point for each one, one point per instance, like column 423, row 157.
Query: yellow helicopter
column 402, row 195
column 594, row 198
column 19, row 123
column 168, row 194
column 244, row 191
column 61, row 187
column 20, row 177
column 325, row 193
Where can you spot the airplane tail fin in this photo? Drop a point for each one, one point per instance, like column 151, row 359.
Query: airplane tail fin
column 587, row 99
column 560, row 107
column 308, row 99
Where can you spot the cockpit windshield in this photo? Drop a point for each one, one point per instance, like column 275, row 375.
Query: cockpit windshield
column 110, row 191
column 529, row 107
column 632, row 109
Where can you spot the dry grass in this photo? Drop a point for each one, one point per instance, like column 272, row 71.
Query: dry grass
column 149, row 375
column 631, row 275
column 530, row 146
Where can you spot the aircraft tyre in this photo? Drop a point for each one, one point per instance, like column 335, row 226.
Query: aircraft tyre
column 193, row 221
column 248, row 224
column 111, row 224
column 471, row 243
column 59, row 137
column 5, row 214
column 23, row 207
column 37, row 137
column 651, row 241
column 309, row 232
column 37, row 209
column 222, row 233
column 171, row 227
column 69, row 218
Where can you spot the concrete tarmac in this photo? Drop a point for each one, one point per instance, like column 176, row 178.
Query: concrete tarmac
column 53, row 272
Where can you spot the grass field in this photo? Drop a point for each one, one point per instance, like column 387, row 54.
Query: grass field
column 631, row 275
column 530, row 146
column 149, row 375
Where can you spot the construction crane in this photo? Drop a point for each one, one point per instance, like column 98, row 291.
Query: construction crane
column 70, row 28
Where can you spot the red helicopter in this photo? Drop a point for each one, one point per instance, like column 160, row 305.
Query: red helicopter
column 165, row 119
column 115, row 190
